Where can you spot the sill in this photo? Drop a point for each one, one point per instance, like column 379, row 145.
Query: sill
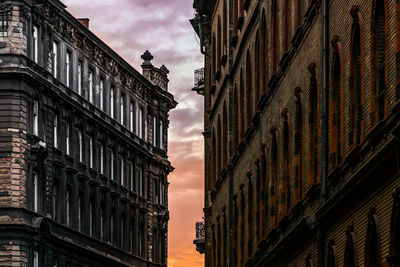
column 113, row 183
column 235, row 39
column 103, row 177
column 57, row 151
column 69, row 158
column 92, row 171
column 124, row 189
column 240, row 22
column 82, row 166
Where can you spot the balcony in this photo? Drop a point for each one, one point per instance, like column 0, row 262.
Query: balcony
column 199, row 81
column 200, row 237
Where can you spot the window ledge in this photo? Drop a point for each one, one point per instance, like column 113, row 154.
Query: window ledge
column 92, row 171
column 103, row 177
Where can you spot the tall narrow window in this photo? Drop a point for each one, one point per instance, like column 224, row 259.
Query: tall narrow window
column 274, row 37
column 68, row 64
column 314, row 125
column 122, row 230
column 298, row 143
column 80, row 139
column 235, row 119
column 112, row 165
column 91, row 88
column 379, row 64
column 161, row 135
column 225, row 137
column 219, row 147
column 250, row 216
column 35, row 258
column 355, row 80
column 101, row 94
column 55, row 130
column 36, row 118
column 242, row 224
column 123, row 171
column 80, row 212
column 335, row 106
column 80, row 78
column 249, row 91
column 285, row 189
column 91, row 149
column 102, row 223
column 68, row 207
column 225, row 29
column 274, row 177
column 372, row 245
column 219, row 44
column 132, row 177
column 102, row 159
column 112, row 227
column 35, row 33
column 350, row 255
column 122, row 109
column 141, row 122
column 257, row 89
column 141, row 182
column 112, row 102
column 263, row 54
column 394, row 246
column 55, row 59
column 132, row 116
column 67, row 137
column 242, row 98
column 91, row 218
column 35, row 193
column 332, row 255
column 154, row 131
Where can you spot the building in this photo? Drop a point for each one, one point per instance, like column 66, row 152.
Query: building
column 83, row 160
column 301, row 132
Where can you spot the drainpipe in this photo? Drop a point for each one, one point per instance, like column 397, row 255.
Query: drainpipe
column 325, row 125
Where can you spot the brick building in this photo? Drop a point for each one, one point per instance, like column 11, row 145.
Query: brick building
column 83, row 145
column 301, row 132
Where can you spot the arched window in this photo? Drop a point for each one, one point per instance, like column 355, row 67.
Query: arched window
column 379, row 60
column 298, row 146
column 355, row 80
column 236, row 230
column 309, row 261
column 394, row 248
column 336, row 106
column 225, row 238
column 350, row 254
column 263, row 54
column 274, row 36
column 264, row 192
column 225, row 29
column 314, row 125
column 249, row 90
column 242, row 105
column 299, row 12
column 250, row 210
column 213, row 159
column 219, row 43
column 214, row 58
column 332, row 255
column 285, row 188
column 225, row 137
column 219, row 148
column 219, row 242
column 372, row 248
column 274, row 177
column 235, row 118
column 258, row 192
column 285, row 25
column 257, row 88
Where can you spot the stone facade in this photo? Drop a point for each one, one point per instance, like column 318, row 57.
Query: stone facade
column 301, row 147
column 83, row 146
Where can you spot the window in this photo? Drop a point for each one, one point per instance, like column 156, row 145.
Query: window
column 298, row 146
column 132, row 177
column 102, row 159
column 35, row 193
column 112, row 227
column 91, row 149
column 80, row 211
column 314, row 126
column 91, row 88
column 68, row 207
column 112, row 166
column 80, row 78
column 101, row 92
column 67, row 136
column 350, row 256
column 55, row 195
column 123, row 171
column 285, row 190
column 36, row 118
column 141, row 130
column 35, row 258
column 112, row 102
column 55, row 130
column 102, row 223
column 35, row 33
column 372, row 242
column 68, row 61
column 122, row 230
column 91, row 218
column 161, row 134
column 80, row 138
column 122, row 103
column 55, row 59
column 132, row 116
column 274, row 178
column 154, row 131
column 141, row 182
column 332, row 257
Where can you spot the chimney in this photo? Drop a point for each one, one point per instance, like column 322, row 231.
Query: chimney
column 85, row 22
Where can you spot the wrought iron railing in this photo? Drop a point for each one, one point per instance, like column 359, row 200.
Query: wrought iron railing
column 199, row 77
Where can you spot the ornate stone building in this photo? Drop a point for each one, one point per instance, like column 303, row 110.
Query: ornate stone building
column 83, row 145
column 301, row 132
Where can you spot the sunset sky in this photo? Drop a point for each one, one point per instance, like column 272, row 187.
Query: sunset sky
column 161, row 26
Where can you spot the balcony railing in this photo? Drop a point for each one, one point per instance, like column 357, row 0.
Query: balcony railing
column 199, row 77
column 200, row 237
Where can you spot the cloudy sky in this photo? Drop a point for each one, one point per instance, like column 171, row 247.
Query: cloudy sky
column 161, row 26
